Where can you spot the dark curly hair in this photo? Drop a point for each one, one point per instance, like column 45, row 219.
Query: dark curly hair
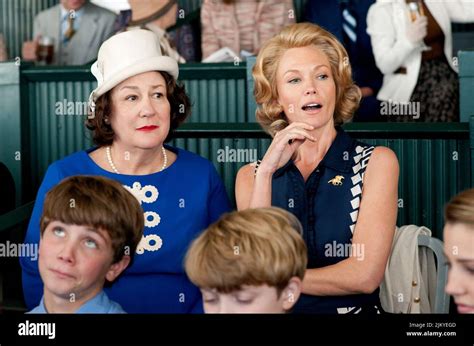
column 103, row 134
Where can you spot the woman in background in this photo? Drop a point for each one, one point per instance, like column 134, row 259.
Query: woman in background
column 242, row 25
column 459, row 249
column 412, row 45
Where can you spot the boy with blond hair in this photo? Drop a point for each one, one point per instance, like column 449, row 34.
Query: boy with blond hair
column 90, row 229
column 250, row 261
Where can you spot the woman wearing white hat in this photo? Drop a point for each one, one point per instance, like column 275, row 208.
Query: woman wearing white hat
column 135, row 109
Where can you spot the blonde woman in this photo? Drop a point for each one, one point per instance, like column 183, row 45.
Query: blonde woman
column 343, row 191
column 459, row 249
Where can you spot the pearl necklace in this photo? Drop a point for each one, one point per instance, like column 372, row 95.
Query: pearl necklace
column 112, row 165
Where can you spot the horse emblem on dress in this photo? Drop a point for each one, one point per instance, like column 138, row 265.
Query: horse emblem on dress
column 337, row 180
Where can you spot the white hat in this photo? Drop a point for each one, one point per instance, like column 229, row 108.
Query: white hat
column 126, row 55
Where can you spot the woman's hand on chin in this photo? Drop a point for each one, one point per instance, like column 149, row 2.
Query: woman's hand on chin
column 283, row 146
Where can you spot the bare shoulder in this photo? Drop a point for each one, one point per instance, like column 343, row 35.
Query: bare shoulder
column 244, row 185
column 383, row 158
column 383, row 168
column 246, row 173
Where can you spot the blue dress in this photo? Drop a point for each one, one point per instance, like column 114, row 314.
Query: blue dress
column 179, row 203
column 327, row 205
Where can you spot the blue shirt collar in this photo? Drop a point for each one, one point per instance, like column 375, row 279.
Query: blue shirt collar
column 65, row 13
column 99, row 304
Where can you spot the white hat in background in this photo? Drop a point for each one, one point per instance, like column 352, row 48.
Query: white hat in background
column 126, row 55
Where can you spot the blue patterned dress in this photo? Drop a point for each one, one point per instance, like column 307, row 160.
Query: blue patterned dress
column 178, row 203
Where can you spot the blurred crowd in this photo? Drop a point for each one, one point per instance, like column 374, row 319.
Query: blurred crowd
column 400, row 51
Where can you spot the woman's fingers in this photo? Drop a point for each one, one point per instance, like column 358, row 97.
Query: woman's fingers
column 284, row 144
column 298, row 132
column 301, row 125
column 296, row 127
column 293, row 140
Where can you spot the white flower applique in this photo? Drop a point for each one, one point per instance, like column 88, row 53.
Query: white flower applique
column 150, row 242
column 147, row 194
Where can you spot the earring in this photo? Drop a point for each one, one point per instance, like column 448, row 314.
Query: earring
column 106, row 120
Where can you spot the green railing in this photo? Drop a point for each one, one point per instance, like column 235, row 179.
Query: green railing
column 435, row 159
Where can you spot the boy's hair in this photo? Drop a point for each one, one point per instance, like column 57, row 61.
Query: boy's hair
column 249, row 247
column 100, row 203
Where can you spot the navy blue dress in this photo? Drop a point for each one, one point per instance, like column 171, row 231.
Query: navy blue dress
column 327, row 205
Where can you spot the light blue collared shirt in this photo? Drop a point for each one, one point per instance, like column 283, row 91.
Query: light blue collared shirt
column 100, row 304
column 64, row 23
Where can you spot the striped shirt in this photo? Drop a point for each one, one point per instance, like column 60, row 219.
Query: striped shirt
column 242, row 25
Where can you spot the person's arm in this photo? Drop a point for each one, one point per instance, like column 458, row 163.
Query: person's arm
column 210, row 42
column 460, row 11
column 390, row 50
column 253, row 191
column 373, row 234
column 32, row 284
column 29, row 51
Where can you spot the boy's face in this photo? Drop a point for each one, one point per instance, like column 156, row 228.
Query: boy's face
column 74, row 261
column 251, row 299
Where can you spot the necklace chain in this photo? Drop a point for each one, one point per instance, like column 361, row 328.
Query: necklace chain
column 112, row 165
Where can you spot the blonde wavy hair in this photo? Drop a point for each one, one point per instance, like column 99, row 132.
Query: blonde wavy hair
column 460, row 208
column 248, row 247
column 269, row 114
